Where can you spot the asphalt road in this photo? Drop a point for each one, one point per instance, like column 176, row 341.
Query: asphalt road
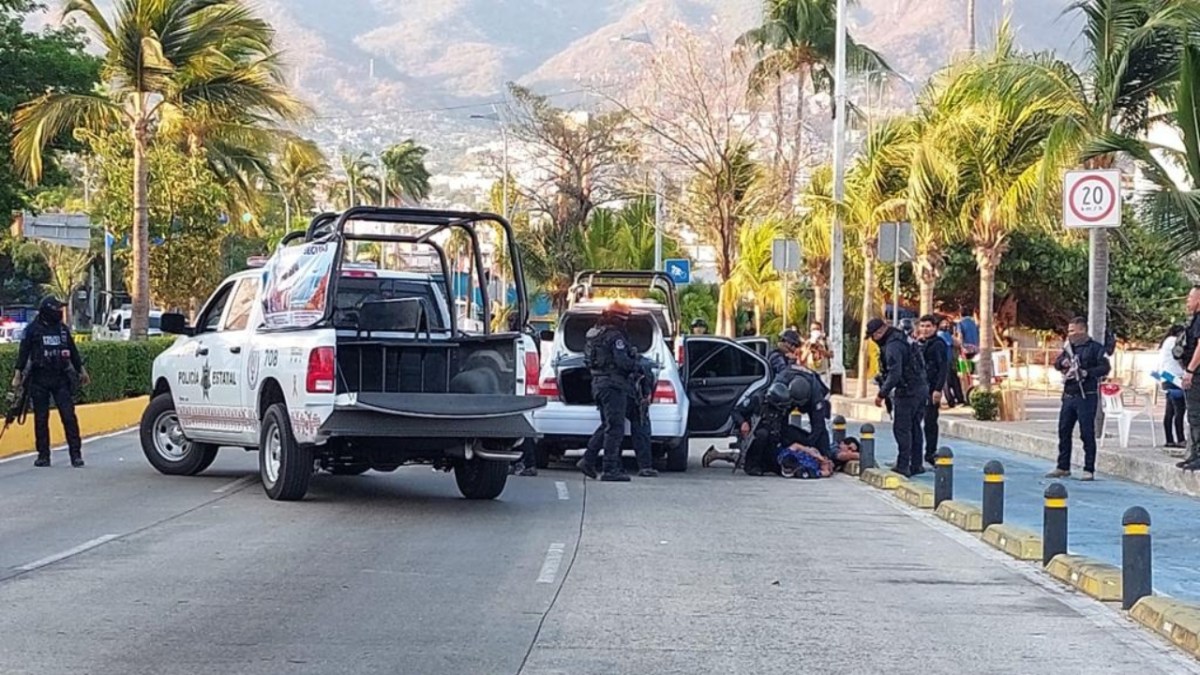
column 116, row 569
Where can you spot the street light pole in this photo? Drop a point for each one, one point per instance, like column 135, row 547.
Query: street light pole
column 837, row 275
column 658, row 224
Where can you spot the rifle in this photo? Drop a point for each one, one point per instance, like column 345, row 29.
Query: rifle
column 16, row 403
column 1073, row 371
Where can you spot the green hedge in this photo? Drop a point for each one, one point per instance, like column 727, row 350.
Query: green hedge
column 118, row 369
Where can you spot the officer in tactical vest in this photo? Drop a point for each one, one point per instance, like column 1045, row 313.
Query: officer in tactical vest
column 613, row 362
column 49, row 364
column 906, row 386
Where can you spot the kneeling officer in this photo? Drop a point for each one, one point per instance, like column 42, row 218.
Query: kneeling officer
column 49, row 364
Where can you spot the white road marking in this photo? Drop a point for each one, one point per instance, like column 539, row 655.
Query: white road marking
column 553, row 561
column 561, row 486
column 60, row 448
column 244, row 480
column 85, row 546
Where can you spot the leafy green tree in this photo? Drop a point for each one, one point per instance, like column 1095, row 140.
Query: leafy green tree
column 405, row 171
column 68, row 269
column 300, row 170
column 32, row 64
column 166, row 63
column 754, row 275
column 359, row 183
column 623, row 239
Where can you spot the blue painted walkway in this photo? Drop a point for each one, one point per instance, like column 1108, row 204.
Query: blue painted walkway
column 1095, row 509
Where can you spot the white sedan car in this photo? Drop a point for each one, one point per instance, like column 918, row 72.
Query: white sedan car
column 697, row 385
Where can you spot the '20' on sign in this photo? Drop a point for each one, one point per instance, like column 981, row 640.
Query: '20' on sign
column 1092, row 198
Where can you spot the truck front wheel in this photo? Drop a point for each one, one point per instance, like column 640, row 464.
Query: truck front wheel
column 164, row 444
column 481, row 478
column 285, row 465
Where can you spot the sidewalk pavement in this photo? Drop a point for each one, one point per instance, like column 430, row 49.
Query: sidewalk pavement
column 1144, row 461
column 1094, row 509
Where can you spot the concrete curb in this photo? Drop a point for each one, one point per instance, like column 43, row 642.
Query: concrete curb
column 962, row 515
column 915, row 494
column 1098, row 579
column 1020, row 544
column 881, row 479
column 94, row 419
column 1175, row 620
column 856, row 410
column 853, row 468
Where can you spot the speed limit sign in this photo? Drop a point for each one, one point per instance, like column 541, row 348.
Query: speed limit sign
column 1092, row 198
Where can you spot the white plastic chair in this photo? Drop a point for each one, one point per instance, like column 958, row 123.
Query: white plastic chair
column 1114, row 409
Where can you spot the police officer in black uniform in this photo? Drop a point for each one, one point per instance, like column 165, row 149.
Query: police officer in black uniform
column 784, row 353
column 49, row 364
column 611, row 358
column 797, row 389
column 699, row 326
column 1187, row 352
column 904, row 384
column 937, row 368
column 1083, row 364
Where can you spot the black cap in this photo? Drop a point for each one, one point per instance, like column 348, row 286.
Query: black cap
column 791, row 337
column 874, row 325
column 699, row 322
column 52, row 303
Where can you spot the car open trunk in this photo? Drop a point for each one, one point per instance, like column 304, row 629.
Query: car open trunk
column 574, row 378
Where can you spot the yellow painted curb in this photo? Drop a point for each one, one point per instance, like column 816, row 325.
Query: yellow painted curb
column 916, row 494
column 1175, row 620
column 853, row 468
column 1099, row 580
column 881, row 478
column 94, row 419
column 1020, row 544
column 962, row 515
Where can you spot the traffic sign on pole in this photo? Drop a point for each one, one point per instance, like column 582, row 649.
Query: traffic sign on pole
column 679, row 269
column 1092, row 199
column 785, row 255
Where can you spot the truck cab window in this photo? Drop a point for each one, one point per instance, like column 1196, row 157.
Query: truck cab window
column 210, row 320
column 242, row 304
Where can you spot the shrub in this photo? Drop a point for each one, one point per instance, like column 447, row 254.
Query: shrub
column 119, row 369
column 986, row 405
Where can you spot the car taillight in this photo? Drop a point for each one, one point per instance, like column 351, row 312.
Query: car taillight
column 679, row 352
column 321, row 368
column 664, row 392
column 533, row 367
column 358, row 274
column 548, row 387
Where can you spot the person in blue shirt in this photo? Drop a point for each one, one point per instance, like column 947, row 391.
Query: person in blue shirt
column 969, row 330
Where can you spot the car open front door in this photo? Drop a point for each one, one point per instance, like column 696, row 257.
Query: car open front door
column 758, row 344
column 718, row 374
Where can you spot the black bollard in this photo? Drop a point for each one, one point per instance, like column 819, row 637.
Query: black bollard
column 943, row 476
column 1054, row 522
column 1136, row 579
column 866, row 455
column 993, row 493
column 839, row 430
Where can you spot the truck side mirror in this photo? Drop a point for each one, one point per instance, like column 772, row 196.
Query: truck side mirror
column 175, row 324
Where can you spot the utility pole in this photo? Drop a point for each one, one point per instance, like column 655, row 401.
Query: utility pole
column 837, row 274
column 658, row 223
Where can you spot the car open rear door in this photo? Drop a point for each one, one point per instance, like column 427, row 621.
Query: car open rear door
column 758, row 344
column 718, row 374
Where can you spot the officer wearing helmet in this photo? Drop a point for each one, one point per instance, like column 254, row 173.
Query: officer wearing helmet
column 785, row 352
column 699, row 326
column 49, row 364
column 610, row 356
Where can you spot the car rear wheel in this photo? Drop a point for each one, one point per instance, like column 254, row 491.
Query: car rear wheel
column 285, row 465
column 164, row 444
column 677, row 455
column 481, row 478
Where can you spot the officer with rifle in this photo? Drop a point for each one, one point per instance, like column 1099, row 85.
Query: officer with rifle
column 612, row 360
column 48, row 364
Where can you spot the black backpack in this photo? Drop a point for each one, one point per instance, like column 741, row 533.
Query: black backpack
column 914, row 376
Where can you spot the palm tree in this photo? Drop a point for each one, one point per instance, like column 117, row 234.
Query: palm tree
column 754, row 275
column 873, row 184
column 405, row 172
column 1175, row 212
column 996, row 143
column 165, row 59
column 301, row 168
column 360, row 184
column 68, row 267
column 814, row 232
column 797, row 39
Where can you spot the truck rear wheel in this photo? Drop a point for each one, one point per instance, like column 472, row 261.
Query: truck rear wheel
column 164, row 444
column 285, row 466
column 481, row 478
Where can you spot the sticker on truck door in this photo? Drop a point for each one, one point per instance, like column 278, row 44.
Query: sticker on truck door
column 296, row 284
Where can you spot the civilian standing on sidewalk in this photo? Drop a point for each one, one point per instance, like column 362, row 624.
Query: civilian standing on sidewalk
column 1171, row 373
column 1083, row 364
column 1188, row 353
column 954, row 392
column 936, row 368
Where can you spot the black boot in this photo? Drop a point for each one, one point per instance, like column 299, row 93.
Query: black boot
column 42, row 461
column 615, row 477
column 1192, row 456
column 587, row 468
column 77, row 461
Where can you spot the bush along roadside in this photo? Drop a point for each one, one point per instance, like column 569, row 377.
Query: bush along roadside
column 119, row 370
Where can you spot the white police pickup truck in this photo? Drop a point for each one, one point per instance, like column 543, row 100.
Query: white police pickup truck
column 316, row 362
